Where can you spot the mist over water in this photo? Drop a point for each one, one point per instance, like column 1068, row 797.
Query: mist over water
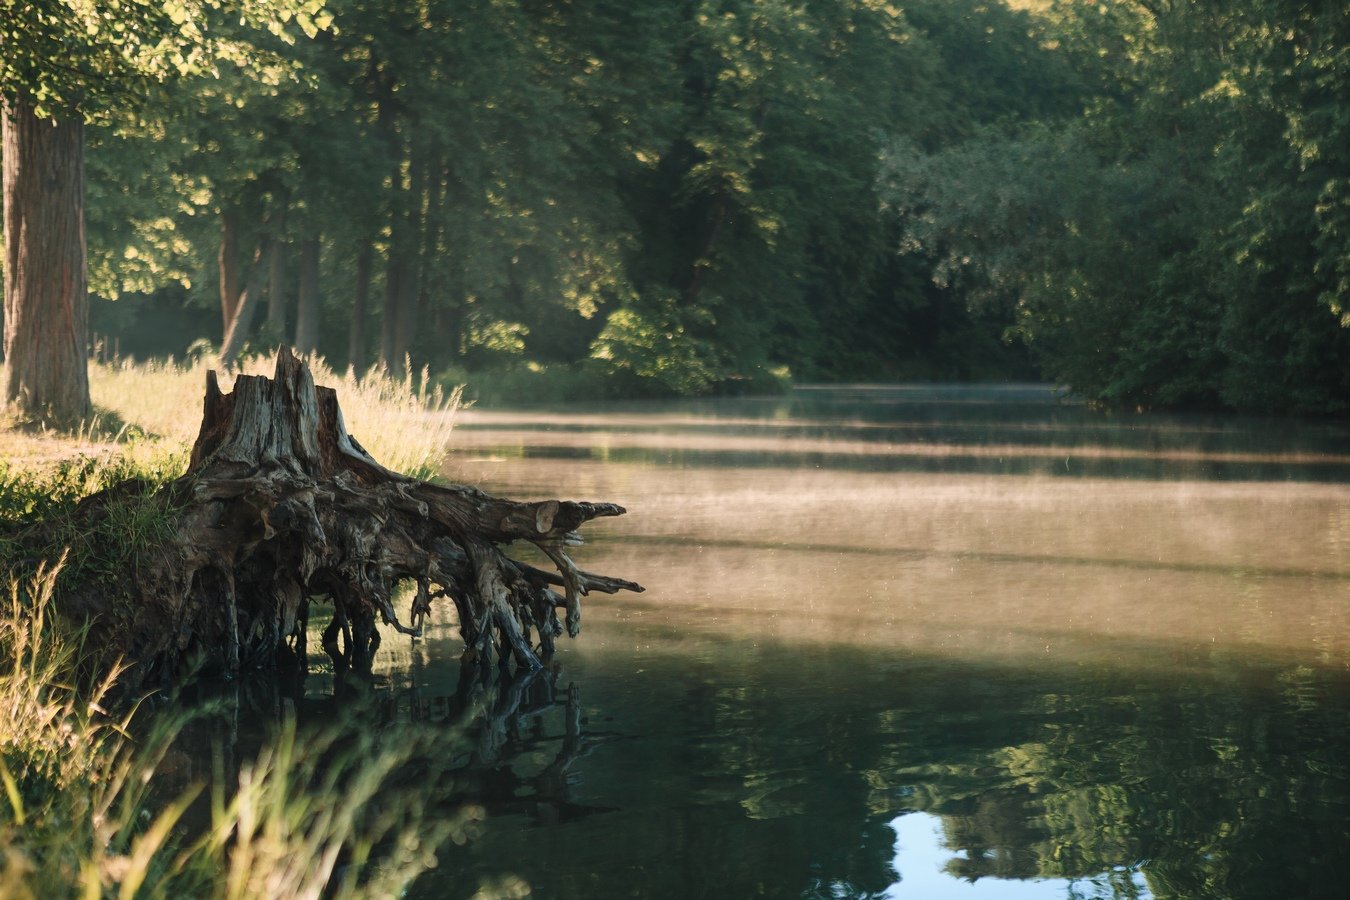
column 921, row 642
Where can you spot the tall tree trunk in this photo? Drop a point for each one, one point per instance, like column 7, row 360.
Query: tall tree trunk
column 307, row 312
column 228, row 261
column 46, row 301
column 356, row 335
column 433, row 227
column 237, row 332
column 409, row 286
column 450, row 322
column 400, row 295
column 392, row 335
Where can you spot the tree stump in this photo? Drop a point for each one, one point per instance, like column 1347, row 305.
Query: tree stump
column 280, row 506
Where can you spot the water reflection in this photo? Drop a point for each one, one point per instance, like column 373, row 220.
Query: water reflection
column 926, row 865
column 493, row 720
column 1110, row 655
column 764, row 770
column 731, row 767
column 893, row 646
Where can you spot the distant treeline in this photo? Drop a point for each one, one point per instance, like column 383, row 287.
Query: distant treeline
column 1146, row 201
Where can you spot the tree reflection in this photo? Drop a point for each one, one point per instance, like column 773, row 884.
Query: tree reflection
column 1201, row 790
column 779, row 773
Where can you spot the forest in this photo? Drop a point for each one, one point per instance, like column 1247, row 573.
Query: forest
column 252, row 248
column 1147, row 201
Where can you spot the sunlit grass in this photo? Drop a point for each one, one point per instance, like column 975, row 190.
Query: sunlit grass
column 148, row 413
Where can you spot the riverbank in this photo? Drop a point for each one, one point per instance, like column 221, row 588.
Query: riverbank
column 315, row 813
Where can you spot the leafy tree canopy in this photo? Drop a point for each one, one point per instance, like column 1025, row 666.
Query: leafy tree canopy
column 92, row 55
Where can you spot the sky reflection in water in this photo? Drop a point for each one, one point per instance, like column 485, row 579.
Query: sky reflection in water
column 921, row 856
column 1107, row 657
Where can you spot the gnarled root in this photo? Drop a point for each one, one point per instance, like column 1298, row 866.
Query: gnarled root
column 280, row 506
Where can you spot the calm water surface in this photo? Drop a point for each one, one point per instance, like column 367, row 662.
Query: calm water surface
column 917, row 643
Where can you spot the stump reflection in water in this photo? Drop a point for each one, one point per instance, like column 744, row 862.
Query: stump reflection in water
column 472, row 739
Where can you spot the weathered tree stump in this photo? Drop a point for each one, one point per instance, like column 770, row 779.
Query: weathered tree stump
column 280, row 506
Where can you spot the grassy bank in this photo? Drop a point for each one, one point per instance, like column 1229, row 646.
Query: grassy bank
column 83, row 812
column 147, row 415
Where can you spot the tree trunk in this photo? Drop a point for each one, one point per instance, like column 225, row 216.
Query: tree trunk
column 409, row 285
column 46, row 319
column 432, row 280
column 239, row 327
column 307, row 312
column 228, row 261
column 281, row 506
column 356, row 335
column 409, row 162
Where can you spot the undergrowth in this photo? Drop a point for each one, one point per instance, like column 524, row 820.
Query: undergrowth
column 38, row 521
column 317, row 814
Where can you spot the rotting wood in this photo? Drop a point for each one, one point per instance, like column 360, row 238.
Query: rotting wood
column 281, row 507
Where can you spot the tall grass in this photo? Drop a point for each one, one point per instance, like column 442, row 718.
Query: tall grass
column 314, row 815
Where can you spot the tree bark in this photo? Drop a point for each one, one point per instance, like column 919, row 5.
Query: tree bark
column 245, row 310
column 407, row 180
column 410, row 279
column 46, row 320
column 308, row 310
column 431, row 283
column 393, row 271
column 281, row 506
column 228, row 261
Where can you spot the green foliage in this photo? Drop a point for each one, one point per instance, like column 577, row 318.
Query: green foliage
column 550, row 183
column 659, row 346
column 1172, row 246
column 81, row 56
column 1148, row 200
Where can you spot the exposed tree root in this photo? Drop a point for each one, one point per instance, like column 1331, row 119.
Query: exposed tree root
column 280, row 506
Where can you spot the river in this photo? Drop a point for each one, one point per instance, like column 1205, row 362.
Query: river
column 918, row 642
